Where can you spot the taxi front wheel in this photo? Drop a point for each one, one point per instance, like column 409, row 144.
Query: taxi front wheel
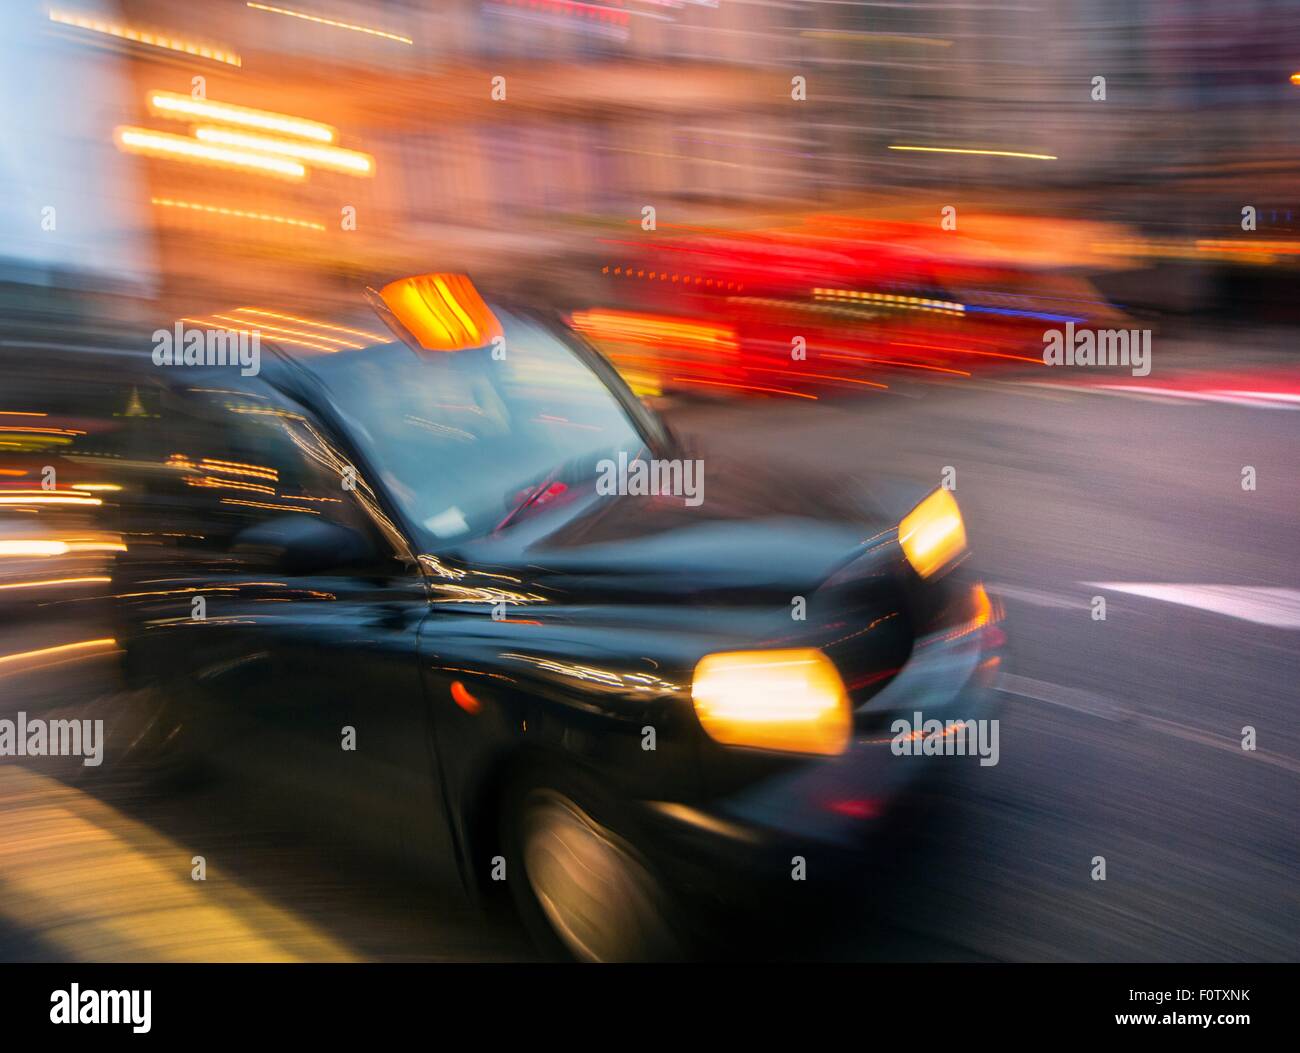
column 150, row 732
column 581, row 889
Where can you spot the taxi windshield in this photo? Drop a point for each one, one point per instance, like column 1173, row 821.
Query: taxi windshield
column 467, row 442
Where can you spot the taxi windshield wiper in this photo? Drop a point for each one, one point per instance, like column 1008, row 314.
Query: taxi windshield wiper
column 530, row 498
column 571, row 473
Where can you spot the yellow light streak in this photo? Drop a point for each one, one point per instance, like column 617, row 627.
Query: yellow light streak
column 330, row 22
column 136, row 36
column 352, row 162
column 257, row 471
column 80, row 645
column 179, row 107
column 308, row 321
column 215, row 323
column 181, row 148
column 47, row 497
column 276, row 330
column 237, row 213
column 96, row 546
column 214, row 482
column 982, row 153
column 271, row 507
column 33, row 547
column 50, row 582
column 902, row 303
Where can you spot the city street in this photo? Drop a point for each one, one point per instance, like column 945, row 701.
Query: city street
column 1120, row 738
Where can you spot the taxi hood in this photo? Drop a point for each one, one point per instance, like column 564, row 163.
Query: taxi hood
column 757, row 533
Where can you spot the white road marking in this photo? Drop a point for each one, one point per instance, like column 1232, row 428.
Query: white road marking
column 1275, row 396
column 1279, row 608
column 1094, row 705
column 1261, row 399
column 1036, row 597
column 1283, row 400
column 1065, row 697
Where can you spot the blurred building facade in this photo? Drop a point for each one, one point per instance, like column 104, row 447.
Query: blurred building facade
column 511, row 135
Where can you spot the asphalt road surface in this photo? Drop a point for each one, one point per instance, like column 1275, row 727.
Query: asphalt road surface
column 1120, row 738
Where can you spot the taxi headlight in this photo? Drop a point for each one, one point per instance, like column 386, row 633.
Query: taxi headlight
column 932, row 534
column 792, row 700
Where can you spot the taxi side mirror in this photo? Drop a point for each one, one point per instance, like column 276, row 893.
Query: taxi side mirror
column 306, row 544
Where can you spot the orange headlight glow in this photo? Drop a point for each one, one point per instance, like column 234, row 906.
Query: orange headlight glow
column 791, row 701
column 932, row 534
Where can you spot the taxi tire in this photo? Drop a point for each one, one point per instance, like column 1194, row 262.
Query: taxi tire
column 582, row 891
column 158, row 744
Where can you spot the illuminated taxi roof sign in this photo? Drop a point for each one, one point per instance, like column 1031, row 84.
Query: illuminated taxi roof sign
column 443, row 312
